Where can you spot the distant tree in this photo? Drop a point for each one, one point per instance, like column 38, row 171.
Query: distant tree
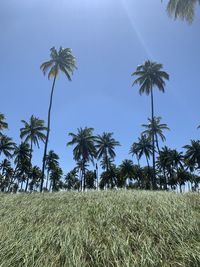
column 3, row 123
column 33, row 132
column 51, row 162
column 127, row 170
column 183, row 9
column 105, row 145
column 35, row 176
column 134, row 152
column 71, row 180
column 90, row 180
column 56, row 178
column 150, row 75
column 84, row 150
column 22, row 161
column 6, row 172
column 7, row 146
column 61, row 61
column 154, row 127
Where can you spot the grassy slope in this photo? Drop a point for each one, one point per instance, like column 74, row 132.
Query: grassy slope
column 100, row 229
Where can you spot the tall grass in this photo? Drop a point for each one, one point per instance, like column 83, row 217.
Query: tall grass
column 127, row 228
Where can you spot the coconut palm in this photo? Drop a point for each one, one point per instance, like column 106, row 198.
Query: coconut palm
column 183, row 9
column 22, row 162
column 6, row 174
column 192, row 154
column 3, row 123
column 105, row 145
column 127, row 169
column 71, row 180
column 154, row 127
column 51, row 162
column 134, row 151
column 33, row 132
column 150, row 75
column 7, row 146
column 35, row 175
column 55, row 177
column 144, row 147
column 61, row 61
column 84, row 150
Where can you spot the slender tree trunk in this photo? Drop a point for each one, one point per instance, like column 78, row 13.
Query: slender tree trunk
column 84, row 182
column 153, row 142
column 47, row 179
column 48, row 130
column 29, row 168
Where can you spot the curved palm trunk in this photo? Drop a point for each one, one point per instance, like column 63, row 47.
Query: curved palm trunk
column 153, row 143
column 47, row 138
column 29, row 168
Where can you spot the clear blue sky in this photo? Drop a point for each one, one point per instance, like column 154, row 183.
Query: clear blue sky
column 109, row 38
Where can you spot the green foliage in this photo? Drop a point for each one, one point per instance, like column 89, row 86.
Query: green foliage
column 112, row 229
column 183, row 9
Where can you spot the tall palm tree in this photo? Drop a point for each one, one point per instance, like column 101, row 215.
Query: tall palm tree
column 3, row 123
column 183, row 9
column 33, row 132
column 84, row 149
column 105, row 145
column 7, row 146
column 154, row 127
column 150, row 75
column 61, row 61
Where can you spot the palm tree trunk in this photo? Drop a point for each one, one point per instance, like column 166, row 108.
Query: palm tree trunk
column 29, row 168
column 48, row 130
column 47, row 179
column 153, row 142
column 84, row 182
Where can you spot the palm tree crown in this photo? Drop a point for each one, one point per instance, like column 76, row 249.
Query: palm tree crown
column 150, row 74
column 33, row 131
column 183, row 9
column 61, row 60
column 105, row 145
column 3, row 123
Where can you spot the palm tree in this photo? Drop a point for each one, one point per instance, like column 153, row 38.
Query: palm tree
column 71, row 180
column 3, row 123
column 192, row 154
column 134, row 151
column 7, row 146
column 51, row 162
column 6, row 174
column 22, row 162
column 127, row 169
column 35, row 176
column 33, row 131
column 154, row 127
column 183, row 9
column 105, row 145
column 63, row 61
column 144, row 147
column 150, row 75
column 55, row 177
column 84, row 149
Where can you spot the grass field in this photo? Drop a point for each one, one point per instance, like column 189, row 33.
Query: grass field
column 119, row 228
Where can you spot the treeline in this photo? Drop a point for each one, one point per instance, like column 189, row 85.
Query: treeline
column 94, row 156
